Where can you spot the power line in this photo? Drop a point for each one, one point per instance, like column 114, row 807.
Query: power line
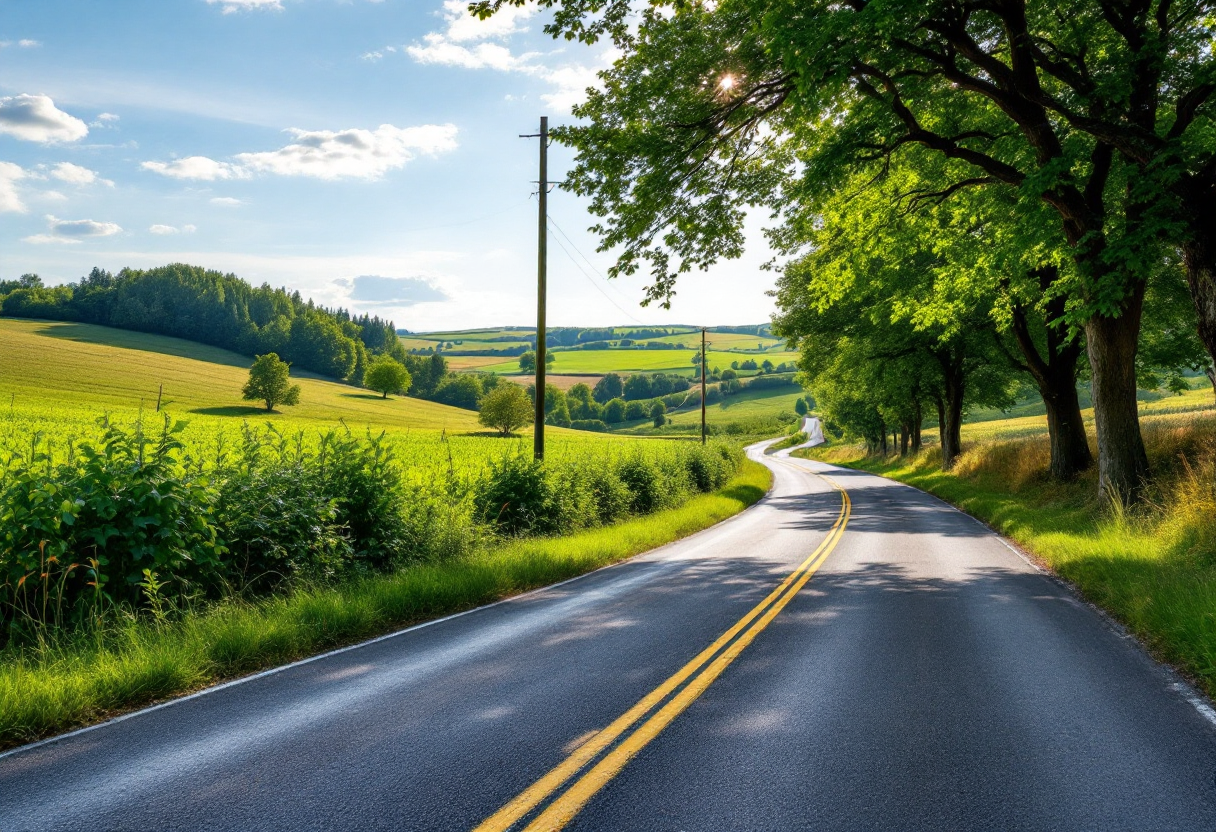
column 587, row 260
column 592, row 280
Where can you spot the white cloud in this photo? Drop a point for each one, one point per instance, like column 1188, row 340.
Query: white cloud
column 354, row 153
column 464, row 43
column 104, row 120
column 26, row 43
column 77, row 175
column 323, row 154
column 372, row 56
column 10, row 175
column 226, row 201
column 73, row 231
column 107, row 117
column 231, row 6
column 35, row 118
column 196, row 167
column 164, row 230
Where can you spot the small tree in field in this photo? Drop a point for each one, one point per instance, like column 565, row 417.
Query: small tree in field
column 269, row 382
column 386, row 375
column 505, row 408
column 800, row 407
column 658, row 412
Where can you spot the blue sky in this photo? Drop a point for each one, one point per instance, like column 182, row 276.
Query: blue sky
column 363, row 152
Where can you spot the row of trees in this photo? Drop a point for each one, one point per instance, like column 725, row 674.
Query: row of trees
column 212, row 308
column 960, row 187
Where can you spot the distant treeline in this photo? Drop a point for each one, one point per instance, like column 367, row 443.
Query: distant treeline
column 212, row 308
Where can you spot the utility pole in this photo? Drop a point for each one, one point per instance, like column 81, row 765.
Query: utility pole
column 703, row 363
column 542, row 269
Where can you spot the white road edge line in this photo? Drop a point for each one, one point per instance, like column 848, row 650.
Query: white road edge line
column 281, row 668
column 1178, row 685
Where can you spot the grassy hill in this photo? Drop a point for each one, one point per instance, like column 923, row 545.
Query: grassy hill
column 66, row 370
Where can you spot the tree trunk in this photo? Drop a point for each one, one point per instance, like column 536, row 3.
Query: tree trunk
column 1199, row 255
column 904, row 432
column 1070, row 452
column 1111, row 343
column 941, row 419
column 883, row 429
column 917, row 418
column 952, row 435
column 1211, row 374
column 1056, row 377
column 384, row 395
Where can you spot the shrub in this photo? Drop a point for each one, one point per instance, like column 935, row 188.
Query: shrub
column 506, row 408
column 635, row 411
column 614, row 411
column 596, row 425
column 516, row 495
column 644, row 481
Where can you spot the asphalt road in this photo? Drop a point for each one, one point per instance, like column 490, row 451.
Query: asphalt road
column 926, row 677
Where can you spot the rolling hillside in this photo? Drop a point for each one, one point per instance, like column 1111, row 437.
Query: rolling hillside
column 49, row 366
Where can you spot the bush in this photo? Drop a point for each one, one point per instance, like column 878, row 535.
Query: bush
column 596, row 425
column 636, row 410
column 614, row 411
column 644, row 482
column 516, row 495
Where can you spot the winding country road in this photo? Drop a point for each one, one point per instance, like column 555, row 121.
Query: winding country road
column 849, row 654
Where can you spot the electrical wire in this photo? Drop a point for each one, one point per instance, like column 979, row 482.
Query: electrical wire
column 590, row 279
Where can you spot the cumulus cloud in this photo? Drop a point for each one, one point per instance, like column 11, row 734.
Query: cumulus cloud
column 323, row 154
column 354, row 153
column 35, row 118
column 469, row 43
column 226, row 201
column 77, row 175
column 196, row 167
column 10, row 175
column 374, row 290
column 230, row 6
column 164, row 230
column 73, row 231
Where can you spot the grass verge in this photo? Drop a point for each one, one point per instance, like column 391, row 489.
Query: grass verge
column 64, row 686
column 1153, row 568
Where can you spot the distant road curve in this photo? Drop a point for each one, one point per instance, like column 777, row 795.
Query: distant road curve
column 849, row 654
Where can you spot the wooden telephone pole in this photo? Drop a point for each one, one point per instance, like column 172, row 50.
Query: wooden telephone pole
column 542, row 275
column 703, row 363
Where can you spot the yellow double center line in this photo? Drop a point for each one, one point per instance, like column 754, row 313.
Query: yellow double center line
column 690, row 682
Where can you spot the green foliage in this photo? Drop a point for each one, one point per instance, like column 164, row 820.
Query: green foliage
column 506, row 409
column 211, row 308
column 386, row 375
column 658, row 414
column 800, row 407
column 527, row 361
column 614, row 411
column 608, row 388
column 269, row 382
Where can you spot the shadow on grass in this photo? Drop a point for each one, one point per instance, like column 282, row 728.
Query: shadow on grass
column 234, row 410
column 373, row 396
column 143, row 341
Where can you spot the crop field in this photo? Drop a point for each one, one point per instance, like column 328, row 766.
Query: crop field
column 721, row 341
column 634, row 361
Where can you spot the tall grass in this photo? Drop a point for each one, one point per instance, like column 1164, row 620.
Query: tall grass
column 1152, row 566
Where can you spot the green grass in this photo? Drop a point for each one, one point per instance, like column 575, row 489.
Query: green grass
column 68, row 369
column 721, row 341
column 749, row 405
column 636, row 361
column 59, row 687
column 1153, row 567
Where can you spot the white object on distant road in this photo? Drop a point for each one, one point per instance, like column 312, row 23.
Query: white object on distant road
column 813, row 428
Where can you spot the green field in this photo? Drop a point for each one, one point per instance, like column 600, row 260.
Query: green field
column 77, row 372
column 721, row 341
column 636, row 361
column 748, row 406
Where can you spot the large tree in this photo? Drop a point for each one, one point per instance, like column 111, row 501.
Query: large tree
column 270, row 383
column 1100, row 111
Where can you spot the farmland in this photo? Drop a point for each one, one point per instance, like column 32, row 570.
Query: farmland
column 636, row 361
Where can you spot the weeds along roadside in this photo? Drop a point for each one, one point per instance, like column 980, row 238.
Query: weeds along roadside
column 134, row 521
column 84, row 675
column 1153, row 567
